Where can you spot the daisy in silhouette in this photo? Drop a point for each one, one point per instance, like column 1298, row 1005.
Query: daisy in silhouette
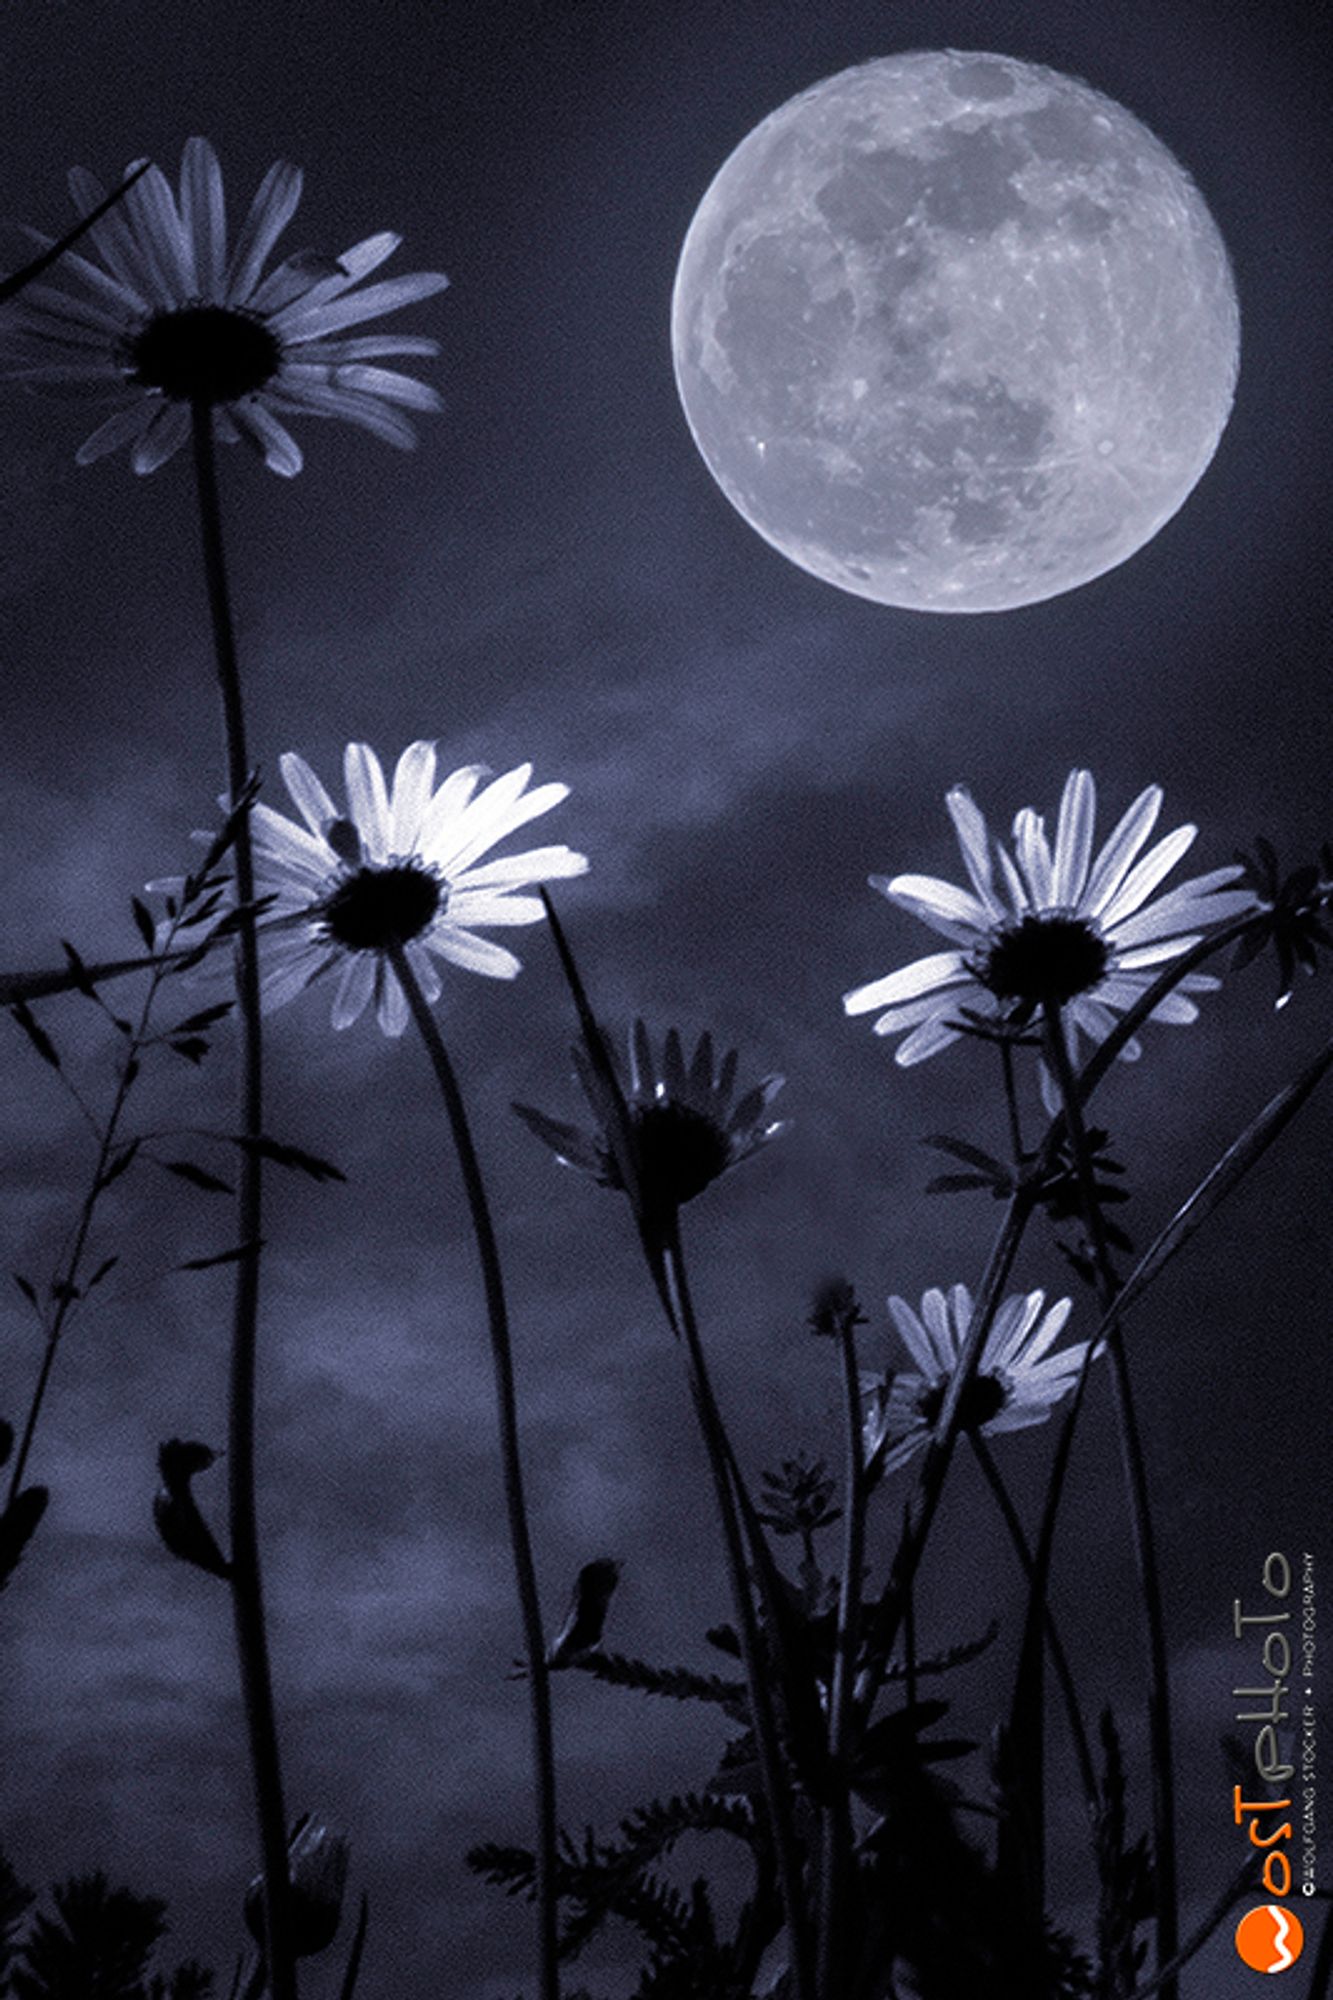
column 167, row 317
column 1049, row 926
column 1017, row 1384
column 686, row 1127
column 397, row 868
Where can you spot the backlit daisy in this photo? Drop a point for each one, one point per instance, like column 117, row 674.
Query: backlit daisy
column 398, row 867
column 1049, row 926
column 686, row 1130
column 1017, row 1384
column 170, row 318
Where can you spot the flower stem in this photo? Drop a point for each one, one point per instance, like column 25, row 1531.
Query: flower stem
column 886, row 1616
column 246, row 1578
column 674, row 1290
column 507, row 1405
column 1145, row 1551
column 837, row 1813
column 1054, row 1645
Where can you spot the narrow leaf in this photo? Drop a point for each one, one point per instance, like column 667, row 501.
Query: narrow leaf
column 293, row 1157
column 26, row 1286
column 143, row 922
column 40, row 1040
column 232, row 1256
column 207, row 1017
column 123, row 1160
column 197, row 1176
column 348, row 1987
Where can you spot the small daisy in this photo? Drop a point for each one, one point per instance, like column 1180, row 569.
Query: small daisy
column 396, row 868
column 1050, row 927
column 169, row 319
column 686, row 1131
column 1017, row 1384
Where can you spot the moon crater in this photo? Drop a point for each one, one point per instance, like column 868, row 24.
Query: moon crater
column 955, row 332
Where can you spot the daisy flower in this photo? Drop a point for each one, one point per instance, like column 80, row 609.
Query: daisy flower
column 1017, row 1384
column 685, row 1130
column 170, row 318
column 398, row 867
column 1044, row 926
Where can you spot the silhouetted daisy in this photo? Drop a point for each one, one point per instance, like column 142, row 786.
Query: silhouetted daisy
column 684, row 1127
column 1050, row 927
column 169, row 319
column 1017, row 1384
column 400, row 867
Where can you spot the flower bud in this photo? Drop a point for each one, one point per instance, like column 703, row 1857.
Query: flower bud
column 317, row 1871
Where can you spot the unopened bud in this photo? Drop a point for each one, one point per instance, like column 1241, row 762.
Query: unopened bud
column 317, row 1861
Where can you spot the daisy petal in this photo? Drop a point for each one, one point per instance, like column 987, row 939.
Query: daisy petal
column 273, row 441
column 942, row 905
column 974, row 844
column 1073, row 838
column 166, row 434
column 203, row 217
column 354, row 989
column 924, row 975
column 413, row 784
column 363, row 776
column 121, row 429
column 1116, row 857
column 1139, row 884
column 474, row 954
column 927, row 1040
column 271, row 210
column 307, row 795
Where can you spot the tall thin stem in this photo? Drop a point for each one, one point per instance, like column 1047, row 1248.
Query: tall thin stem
column 679, row 1305
column 247, row 1592
column 1054, row 1645
column 525, row 1570
column 1145, row 1550
column 837, row 1813
column 885, row 1619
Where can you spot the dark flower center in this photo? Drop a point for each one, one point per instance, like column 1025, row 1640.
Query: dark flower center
column 679, row 1151
column 983, row 1399
column 377, row 907
column 205, row 354
column 1044, row 958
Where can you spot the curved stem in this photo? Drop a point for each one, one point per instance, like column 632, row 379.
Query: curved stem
column 1145, row 1550
column 837, row 1812
column 679, row 1306
column 525, row 1571
column 247, row 1592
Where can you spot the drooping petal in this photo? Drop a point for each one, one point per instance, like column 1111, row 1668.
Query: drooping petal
column 474, row 954
column 273, row 441
column 354, row 989
column 165, row 434
column 122, row 428
column 925, row 1041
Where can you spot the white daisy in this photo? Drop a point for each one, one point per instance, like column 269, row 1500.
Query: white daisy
column 1017, row 1384
column 169, row 318
column 1049, row 926
column 397, row 867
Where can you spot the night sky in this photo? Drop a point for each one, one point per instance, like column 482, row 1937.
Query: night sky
column 555, row 576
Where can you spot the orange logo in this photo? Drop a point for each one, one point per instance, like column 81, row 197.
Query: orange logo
column 1269, row 1938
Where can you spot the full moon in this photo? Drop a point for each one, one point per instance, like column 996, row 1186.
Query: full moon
column 955, row 332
